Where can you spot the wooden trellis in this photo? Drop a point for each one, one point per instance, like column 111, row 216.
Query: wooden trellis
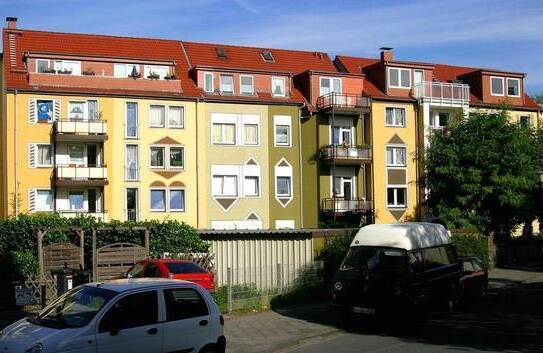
column 56, row 255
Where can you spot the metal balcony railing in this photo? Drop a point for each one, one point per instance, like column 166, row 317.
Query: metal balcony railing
column 346, row 153
column 81, row 172
column 343, row 101
column 340, row 205
column 442, row 93
column 91, row 127
column 132, row 215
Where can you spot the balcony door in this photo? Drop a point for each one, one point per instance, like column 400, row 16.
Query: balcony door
column 344, row 187
column 92, row 155
column 439, row 120
column 330, row 85
column 132, row 204
column 342, row 135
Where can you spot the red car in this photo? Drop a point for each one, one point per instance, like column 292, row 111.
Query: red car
column 474, row 277
column 170, row 268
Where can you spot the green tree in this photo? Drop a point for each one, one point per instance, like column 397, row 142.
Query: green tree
column 484, row 174
column 538, row 98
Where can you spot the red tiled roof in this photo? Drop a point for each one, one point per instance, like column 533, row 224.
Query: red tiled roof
column 93, row 45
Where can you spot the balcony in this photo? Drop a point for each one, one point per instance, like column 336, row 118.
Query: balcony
column 345, row 103
column 442, row 93
column 80, row 175
column 78, row 130
column 101, row 215
column 439, row 130
column 346, row 155
column 339, row 205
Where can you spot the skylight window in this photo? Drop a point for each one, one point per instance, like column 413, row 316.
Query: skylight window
column 267, row 56
column 221, row 53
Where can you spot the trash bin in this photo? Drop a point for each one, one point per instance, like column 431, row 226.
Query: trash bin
column 64, row 278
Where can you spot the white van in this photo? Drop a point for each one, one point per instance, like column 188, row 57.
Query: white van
column 392, row 267
column 127, row 315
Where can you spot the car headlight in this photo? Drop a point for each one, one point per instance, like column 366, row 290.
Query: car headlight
column 36, row 348
column 338, row 286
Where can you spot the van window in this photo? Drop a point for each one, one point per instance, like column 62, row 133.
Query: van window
column 375, row 258
column 435, row 257
column 467, row 266
column 415, row 262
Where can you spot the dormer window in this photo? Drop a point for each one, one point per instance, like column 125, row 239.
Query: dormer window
column 399, row 78
column 125, row 70
column 208, row 82
column 330, row 85
column 42, row 66
column 227, row 84
column 278, row 86
column 513, row 87
column 220, row 53
column 267, row 56
column 155, row 71
column 246, row 83
column 496, row 86
column 68, row 67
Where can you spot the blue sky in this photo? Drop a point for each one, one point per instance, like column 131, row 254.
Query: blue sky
column 504, row 34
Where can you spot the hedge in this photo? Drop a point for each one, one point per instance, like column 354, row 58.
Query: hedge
column 470, row 244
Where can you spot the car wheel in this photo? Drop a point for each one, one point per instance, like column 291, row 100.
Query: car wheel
column 209, row 349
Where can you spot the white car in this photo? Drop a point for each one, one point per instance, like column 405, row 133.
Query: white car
column 127, row 315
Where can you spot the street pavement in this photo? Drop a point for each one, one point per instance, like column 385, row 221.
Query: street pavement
column 508, row 319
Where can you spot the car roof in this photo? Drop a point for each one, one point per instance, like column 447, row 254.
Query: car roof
column 128, row 284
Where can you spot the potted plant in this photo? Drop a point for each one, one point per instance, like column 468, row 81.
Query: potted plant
column 64, row 72
column 153, row 76
column 49, row 71
column 88, row 72
column 170, row 77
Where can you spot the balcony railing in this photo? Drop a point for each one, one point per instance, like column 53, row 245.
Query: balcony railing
column 90, row 127
column 81, row 172
column 132, row 215
column 344, row 154
column 442, row 93
column 343, row 101
column 340, row 205
column 102, row 215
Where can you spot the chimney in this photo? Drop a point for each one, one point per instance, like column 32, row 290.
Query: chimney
column 386, row 54
column 11, row 22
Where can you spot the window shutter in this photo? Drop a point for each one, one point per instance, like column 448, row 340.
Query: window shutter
column 32, row 150
column 56, row 110
column 31, row 200
column 32, row 111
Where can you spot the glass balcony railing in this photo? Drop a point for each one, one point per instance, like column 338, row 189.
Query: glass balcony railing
column 442, row 93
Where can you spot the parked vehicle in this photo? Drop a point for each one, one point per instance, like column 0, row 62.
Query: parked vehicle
column 137, row 316
column 395, row 267
column 473, row 278
column 172, row 268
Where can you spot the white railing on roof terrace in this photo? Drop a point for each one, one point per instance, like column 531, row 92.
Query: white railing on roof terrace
column 442, row 93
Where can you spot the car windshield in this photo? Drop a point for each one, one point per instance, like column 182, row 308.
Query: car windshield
column 184, row 267
column 375, row 258
column 75, row 308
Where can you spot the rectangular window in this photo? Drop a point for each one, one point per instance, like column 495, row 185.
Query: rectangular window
column 399, row 78
column 126, row 70
column 227, row 84
column 283, row 186
column 44, row 200
column 251, row 186
column 224, row 133
column 282, row 135
column 176, row 117
column 132, row 163
column 208, row 82
column 42, row 65
column 496, row 86
column 395, row 117
column 157, row 115
column 225, row 185
column 92, row 110
column 176, row 157
column 513, row 87
column 68, row 67
column 77, row 200
column 76, row 153
column 329, row 85
column 76, row 111
column 397, row 196
column 151, row 71
column 131, row 123
column 44, row 157
column 278, row 86
column 158, row 200
column 132, row 208
column 246, row 85
column 177, row 200
column 157, row 157
column 250, row 134
column 45, row 111
column 525, row 121
column 396, row 156
column 183, row 304
column 418, row 76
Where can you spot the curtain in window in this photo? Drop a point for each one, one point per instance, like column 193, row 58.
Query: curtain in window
column 400, row 116
column 230, row 185
column 281, row 134
column 76, row 200
column 390, row 155
column 44, row 154
column 131, row 119
column 208, row 83
column 278, row 87
column 337, row 189
column 251, row 134
column 336, row 85
column 216, row 133
column 175, row 116
column 229, row 133
column 92, row 110
column 405, row 78
column 44, row 200
column 251, row 186
column 132, row 162
column 157, row 115
column 283, row 186
column 77, row 111
column 394, row 79
column 158, row 199
column 389, row 116
column 176, row 157
column 157, row 157
column 247, row 84
column 227, row 84
column 400, row 156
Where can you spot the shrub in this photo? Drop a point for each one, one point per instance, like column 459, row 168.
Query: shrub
column 470, row 244
column 333, row 253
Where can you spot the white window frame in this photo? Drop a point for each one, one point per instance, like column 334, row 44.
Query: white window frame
column 277, row 183
column 137, row 161
column 147, row 69
column 394, row 162
column 341, row 128
column 221, row 84
column 273, row 79
column 138, row 197
column 126, row 119
column 245, row 143
column 165, row 199
column 223, row 176
column 127, row 69
column 331, row 85
column 184, row 206
column 352, row 180
column 394, row 116
column 503, row 86
column 252, row 92
column 62, row 62
column 85, row 198
column 395, row 203
column 525, row 116
column 38, row 165
column 182, row 154
column 507, row 86
column 222, row 141
column 400, row 69
column 37, row 71
column 52, row 206
column 165, row 115
column 282, row 120
column 83, row 157
column 247, row 195
column 182, row 126
column 207, row 74
column 163, row 157
column 415, row 71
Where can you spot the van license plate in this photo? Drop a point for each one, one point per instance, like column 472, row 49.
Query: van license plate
column 362, row 310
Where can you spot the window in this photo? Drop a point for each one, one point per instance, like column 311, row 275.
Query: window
column 496, row 86
column 176, row 117
column 525, row 121
column 77, row 200
column 45, row 111
column 126, row 70
column 246, row 84
column 157, row 116
column 134, row 310
column 221, row 53
column 267, row 56
column 208, row 82
column 278, row 86
column 225, row 185
column 283, row 186
column 282, row 135
column 396, row 196
column 250, row 134
column 44, row 155
column 513, row 87
column 418, row 76
column 132, row 163
column 76, row 111
column 157, row 157
column 42, row 65
column 184, row 303
column 132, row 202
column 161, row 71
column 342, row 135
column 44, row 200
column 343, row 187
column 224, row 133
column 158, row 200
column 396, row 156
column 329, row 85
column 68, row 67
column 251, row 186
column 399, row 78
column 227, row 84
column 395, row 116
column 177, row 200
column 176, row 157
column 92, row 110
column 76, row 154
column 435, row 257
column 439, row 120
column 131, row 120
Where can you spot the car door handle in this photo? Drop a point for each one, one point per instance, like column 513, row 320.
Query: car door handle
column 152, row 331
column 203, row 323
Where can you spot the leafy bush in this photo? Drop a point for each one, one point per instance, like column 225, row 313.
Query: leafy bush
column 333, row 253
column 245, row 297
column 470, row 244
column 25, row 262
